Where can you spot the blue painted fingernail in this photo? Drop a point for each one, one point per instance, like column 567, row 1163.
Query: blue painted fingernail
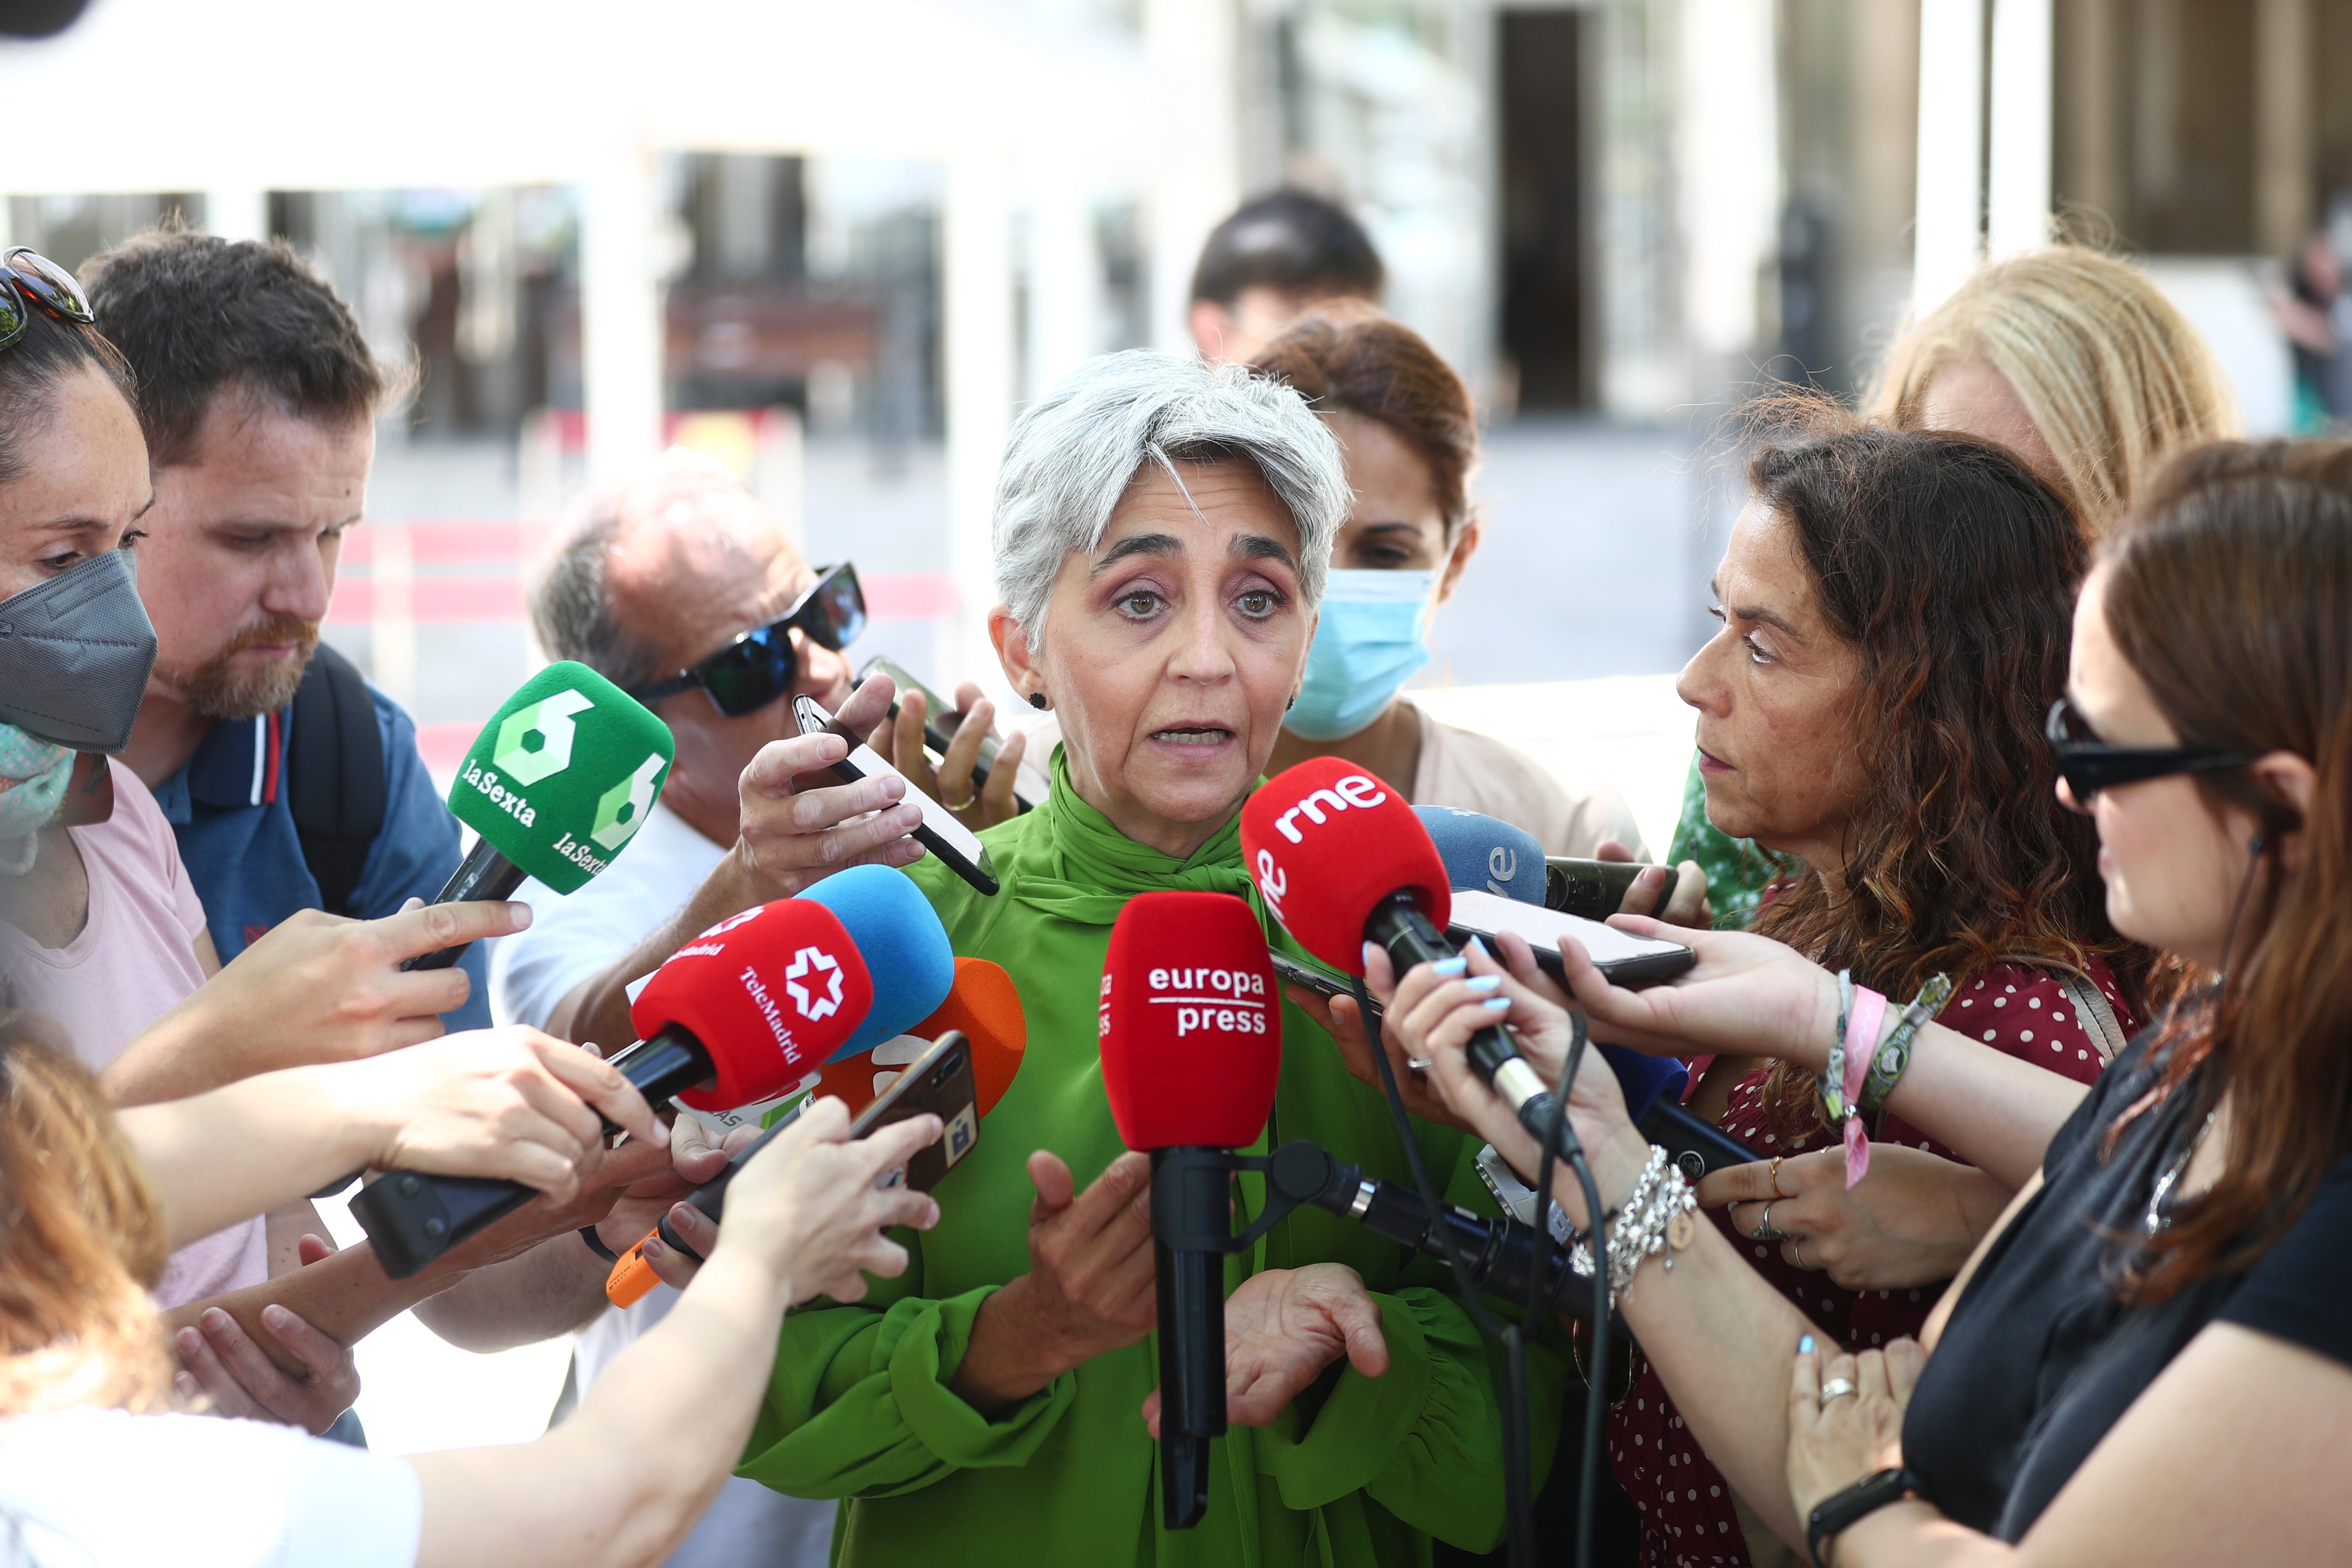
column 1451, row 965
column 1805, row 1345
column 1500, row 1004
column 1484, row 981
column 1474, row 945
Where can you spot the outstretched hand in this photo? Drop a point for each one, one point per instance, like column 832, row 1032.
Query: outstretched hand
column 1283, row 1327
column 1748, row 995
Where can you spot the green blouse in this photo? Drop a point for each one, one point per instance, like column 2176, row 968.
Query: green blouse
column 1360, row 1470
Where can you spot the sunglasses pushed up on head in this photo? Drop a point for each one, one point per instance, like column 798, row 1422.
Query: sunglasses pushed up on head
column 28, row 281
column 2089, row 764
column 764, row 663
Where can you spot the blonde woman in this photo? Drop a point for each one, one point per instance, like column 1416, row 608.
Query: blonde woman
column 2071, row 358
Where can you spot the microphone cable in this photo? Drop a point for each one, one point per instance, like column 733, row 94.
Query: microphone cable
column 1519, row 1502
column 1517, row 1449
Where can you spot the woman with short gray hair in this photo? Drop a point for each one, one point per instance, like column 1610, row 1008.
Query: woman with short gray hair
column 1162, row 534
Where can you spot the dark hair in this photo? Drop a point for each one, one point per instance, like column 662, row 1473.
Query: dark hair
column 35, row 366
column 1290, row 240
column 1367, row 365
column 2230, row 594
column 195, row 314
column 1950, row 567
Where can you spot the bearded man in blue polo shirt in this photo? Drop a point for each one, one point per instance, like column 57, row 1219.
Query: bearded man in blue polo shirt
column 291, row 784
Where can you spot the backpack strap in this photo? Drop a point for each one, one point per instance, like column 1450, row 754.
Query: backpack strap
column 334, row 775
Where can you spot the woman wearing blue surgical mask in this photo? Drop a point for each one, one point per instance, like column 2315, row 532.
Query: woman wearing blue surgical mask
column 1410, row 439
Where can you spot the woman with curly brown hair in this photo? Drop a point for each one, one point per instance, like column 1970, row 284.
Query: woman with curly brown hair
column 2148, row 1360
column 1896, row 608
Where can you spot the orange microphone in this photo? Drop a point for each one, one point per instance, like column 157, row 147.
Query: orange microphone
column 983, row 1002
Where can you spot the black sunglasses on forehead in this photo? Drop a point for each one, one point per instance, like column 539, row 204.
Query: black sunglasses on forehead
column 28, row 279
column 763, row 663
column 2089, row 764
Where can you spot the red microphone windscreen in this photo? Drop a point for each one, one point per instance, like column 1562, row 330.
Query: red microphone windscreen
column 1190, row 1022
column 770, row 992
column 1328, row 842
column 983, row 1004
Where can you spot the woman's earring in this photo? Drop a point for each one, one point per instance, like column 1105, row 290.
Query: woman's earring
column 1292, row 703
column 1038, row 700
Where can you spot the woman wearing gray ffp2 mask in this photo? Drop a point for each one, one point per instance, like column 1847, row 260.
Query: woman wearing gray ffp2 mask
column 75, row 645
column 1410, row 438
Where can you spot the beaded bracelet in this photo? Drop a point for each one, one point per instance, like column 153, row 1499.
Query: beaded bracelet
column 1655, row 1217
column 1887, row 1066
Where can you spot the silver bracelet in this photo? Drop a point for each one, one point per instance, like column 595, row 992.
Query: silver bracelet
column 1654, row 1219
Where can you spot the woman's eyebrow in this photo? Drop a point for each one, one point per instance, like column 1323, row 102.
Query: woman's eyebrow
column 1137, row 544
column 1753, row 613
column 1258, row 547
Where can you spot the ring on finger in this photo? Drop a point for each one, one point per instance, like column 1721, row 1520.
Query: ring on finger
column 1773, row 1171
column 1764, row 1231
column 1796, row 1252
column 1836, row 1388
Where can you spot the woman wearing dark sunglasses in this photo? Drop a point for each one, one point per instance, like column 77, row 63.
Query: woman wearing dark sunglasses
column 2148, row 1360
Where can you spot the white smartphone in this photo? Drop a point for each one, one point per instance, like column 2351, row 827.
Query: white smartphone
column 1625, row 959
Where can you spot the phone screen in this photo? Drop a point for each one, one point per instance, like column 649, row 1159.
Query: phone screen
column 939, row 832
column 1621, row 955
column 939, row 1083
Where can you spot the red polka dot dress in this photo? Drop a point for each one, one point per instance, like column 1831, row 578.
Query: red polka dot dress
column 1687, row 1517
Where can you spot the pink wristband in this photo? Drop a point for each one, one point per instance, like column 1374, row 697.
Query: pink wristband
column 1861, row 1045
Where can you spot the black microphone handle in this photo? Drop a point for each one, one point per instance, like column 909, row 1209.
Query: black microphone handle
column 1501, row 1254
column 412, row 1218
column 484, row 873
column 1191, row 1202
column 1410, row 938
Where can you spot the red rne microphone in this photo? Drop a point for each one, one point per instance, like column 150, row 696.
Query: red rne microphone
column 1191, row 1053
column 1342, row 859
column 739, row 1014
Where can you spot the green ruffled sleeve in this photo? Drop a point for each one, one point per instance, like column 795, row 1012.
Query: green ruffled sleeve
column 858, row 1404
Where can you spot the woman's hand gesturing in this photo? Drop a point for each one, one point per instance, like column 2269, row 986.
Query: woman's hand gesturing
column 1859, row 1430
column 1912, row 1221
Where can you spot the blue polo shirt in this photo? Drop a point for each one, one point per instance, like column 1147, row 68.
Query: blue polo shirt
column 236, row 835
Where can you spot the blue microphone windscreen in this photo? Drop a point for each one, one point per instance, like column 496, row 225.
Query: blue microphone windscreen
column 1487, row 853
column 904, row 945
column 1644, row 1078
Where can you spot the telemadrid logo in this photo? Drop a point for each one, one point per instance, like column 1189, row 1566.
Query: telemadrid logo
column 799, row 986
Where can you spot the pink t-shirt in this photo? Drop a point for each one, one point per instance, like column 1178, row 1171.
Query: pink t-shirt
column 133, row 961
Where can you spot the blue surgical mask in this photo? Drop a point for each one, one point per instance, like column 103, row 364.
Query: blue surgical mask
column 1371, row 641
column 33, row 777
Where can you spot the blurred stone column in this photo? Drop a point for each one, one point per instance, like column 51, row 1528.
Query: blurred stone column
column 2285, row 176
column 1950, row 194
column 977, row 341
column 238, row 213
column 1199, row 180
column 2017, row 204
column 1729, row 185
column 1637, row 314
column 621, row 314
column 1064, row 276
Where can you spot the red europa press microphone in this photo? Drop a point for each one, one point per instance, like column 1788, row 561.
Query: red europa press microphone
column 1192, row 1051
column 1342, row 859
column 741, row 1013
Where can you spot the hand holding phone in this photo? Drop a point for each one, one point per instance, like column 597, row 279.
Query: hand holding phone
column 953, row 739
column 939, row 831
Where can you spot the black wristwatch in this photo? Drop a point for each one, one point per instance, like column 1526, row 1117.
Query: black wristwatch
column 1836, row 1512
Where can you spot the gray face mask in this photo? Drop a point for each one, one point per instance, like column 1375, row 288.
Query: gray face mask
column 74, row 656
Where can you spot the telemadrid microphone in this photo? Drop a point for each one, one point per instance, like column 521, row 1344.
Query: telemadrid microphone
column 1491, row 855
column 1192, row 1051
column 982, row 1004
column 556, row 784
column 741, row 1013
column 1340, row 860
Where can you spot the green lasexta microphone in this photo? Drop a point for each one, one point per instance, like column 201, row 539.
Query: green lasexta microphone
column 557, row 783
